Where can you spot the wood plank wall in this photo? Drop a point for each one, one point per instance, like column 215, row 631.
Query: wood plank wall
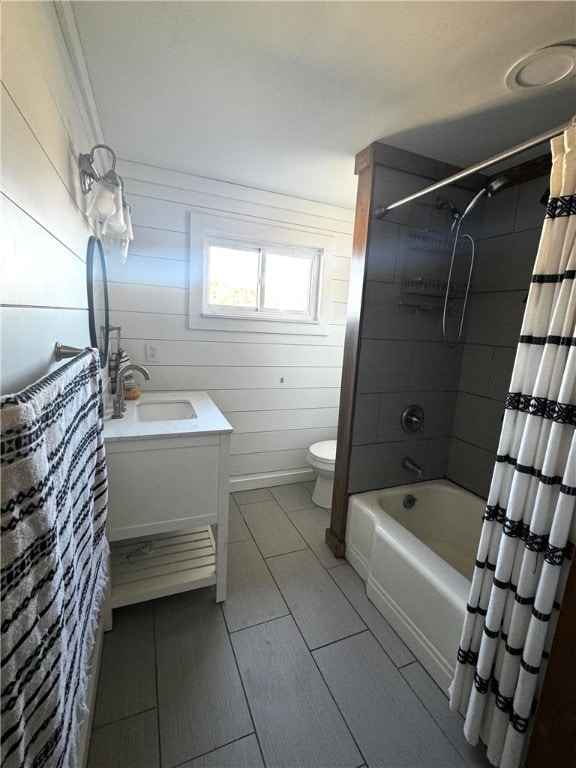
column 280, row 392
column 44, row 231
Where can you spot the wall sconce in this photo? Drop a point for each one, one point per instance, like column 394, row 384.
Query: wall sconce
column 107, row 208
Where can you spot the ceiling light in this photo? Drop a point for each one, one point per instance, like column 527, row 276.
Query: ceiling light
column 547, row 66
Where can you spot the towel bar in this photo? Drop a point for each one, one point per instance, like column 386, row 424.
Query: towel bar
column 62, row 351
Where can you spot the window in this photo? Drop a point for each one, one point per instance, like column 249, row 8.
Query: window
column 261, row 280
column 255, row 275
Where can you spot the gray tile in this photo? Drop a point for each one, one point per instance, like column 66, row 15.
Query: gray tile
column 319, row 608
column 384, row 365
column 505, row 263
column 309, row 485
column 385, row 317
column 312, row 524
column 475, row 370
column 127, row 681
column 530, row 212
column 296, row 719
column 500, row 213
column 390, row 185
column 437, row 365
column 451, row 723
column 478, row 420
column 200, row 697
column 244, row 753
column 237, row 529
column 129, row 743
column 354, row 589
column 272, row 530
column 438, row 410
column 252, row 596
column 366, row 411
column 251, row 497
column 291, row 497
column 380, row 465
column 495, row 318
column 501, row 373
column 387, row 720
column 382, row 251
column 185, row 599
column 470, row 467
column 436, row 461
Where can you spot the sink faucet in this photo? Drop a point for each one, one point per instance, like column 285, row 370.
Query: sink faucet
column 118, row 405
column 408, row 463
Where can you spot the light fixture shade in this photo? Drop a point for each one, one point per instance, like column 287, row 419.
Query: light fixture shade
column 105, row 205
column 116, row 246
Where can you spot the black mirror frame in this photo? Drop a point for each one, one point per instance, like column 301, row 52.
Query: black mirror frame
column 92, row 243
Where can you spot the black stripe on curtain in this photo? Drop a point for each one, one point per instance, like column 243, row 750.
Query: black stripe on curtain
column 569, row 274
column 561, row 206
column 561, row 341
column 563, row 413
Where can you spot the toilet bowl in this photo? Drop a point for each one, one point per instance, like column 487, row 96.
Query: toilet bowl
column 322, row 459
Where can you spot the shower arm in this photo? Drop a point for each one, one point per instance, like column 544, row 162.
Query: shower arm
column 381, row 210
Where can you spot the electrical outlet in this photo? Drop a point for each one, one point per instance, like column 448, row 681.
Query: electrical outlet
column 151, row 348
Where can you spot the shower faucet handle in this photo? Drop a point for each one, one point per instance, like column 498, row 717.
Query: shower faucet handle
column 412, row 419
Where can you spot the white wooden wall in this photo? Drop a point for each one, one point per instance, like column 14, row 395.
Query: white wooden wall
column 44, row 230
column 279, row 392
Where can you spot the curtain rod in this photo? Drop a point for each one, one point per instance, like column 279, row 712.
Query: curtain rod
column 381, row 210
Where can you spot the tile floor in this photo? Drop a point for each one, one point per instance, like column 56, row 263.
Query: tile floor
column 296, row 669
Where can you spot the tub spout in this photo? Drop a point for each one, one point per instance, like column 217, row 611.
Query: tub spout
column 411, row 465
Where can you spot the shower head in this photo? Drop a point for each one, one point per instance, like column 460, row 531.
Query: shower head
column 496, row 185
column 489, row 190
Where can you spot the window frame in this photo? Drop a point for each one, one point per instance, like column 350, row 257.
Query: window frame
column 313, row 255
column 237, row 227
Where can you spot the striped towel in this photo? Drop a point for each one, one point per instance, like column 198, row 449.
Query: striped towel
column 54, row 560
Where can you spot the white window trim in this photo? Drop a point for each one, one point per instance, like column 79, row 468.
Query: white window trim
column 235, row 228
column 314, row 255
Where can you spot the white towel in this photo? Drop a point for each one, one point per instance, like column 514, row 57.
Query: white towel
column 54, row 559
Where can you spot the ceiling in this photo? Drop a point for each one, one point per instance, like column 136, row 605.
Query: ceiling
column 282, row 95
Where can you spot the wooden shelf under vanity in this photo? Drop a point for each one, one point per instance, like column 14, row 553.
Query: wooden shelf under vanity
column 149, row 567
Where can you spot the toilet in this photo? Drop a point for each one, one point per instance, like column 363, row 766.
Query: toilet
column 322, row 459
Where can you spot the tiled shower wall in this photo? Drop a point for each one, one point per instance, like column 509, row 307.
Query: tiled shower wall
column 403, row 359
column 510, row 233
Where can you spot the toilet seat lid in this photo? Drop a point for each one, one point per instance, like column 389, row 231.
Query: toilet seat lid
column 325, row 451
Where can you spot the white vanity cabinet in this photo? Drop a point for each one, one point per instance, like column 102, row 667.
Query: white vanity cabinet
column 168, row 484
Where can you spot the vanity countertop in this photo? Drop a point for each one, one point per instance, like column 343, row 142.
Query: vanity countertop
column 208, row 420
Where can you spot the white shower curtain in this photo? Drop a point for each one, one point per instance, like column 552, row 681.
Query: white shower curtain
column 526, row 544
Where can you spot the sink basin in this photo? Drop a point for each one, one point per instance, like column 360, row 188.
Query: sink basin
column 164, row 410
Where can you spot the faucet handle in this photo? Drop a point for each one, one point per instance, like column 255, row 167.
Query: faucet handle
column 412, row 419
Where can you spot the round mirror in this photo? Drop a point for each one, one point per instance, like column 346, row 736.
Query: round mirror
column 97, row 283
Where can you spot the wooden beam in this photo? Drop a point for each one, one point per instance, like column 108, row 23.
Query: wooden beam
column 532, row 169
column 418, row 165
column 335, row 535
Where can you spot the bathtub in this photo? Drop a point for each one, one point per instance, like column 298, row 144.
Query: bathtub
column 417, row 564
